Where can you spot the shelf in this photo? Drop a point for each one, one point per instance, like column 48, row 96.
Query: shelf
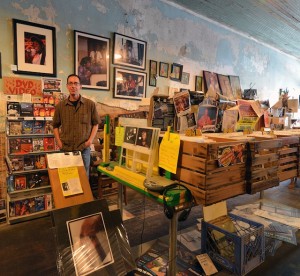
column 26, row 194
column 30, row 135
column 33, row 153
column 29, row 190
column 28, row 171
column 39, row 214
column 19, row 118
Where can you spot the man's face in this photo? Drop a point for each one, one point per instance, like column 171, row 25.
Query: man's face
column 74, row 86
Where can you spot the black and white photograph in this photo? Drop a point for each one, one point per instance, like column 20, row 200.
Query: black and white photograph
column 92, row 60
column 130, row 135
column 129, row 51
column 89, row 242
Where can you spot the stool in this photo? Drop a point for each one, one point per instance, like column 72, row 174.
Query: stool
column 106, row 182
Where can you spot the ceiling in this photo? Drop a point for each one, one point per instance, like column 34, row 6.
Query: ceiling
column 273, row 22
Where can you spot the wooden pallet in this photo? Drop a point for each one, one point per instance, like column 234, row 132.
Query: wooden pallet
column 262, row 165
column 199, row 170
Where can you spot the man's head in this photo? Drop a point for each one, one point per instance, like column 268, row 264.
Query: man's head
column 74, row 86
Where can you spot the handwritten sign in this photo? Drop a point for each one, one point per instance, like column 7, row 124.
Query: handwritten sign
column 19, row 86
column 119, row 136
column 169, row 151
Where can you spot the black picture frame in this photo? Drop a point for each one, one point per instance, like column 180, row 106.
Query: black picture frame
column 176, row 72
column 122, row 84
column 129, row 51
column 91, row 61
column 34, row 48
column 152, row 72
column 164, row 69
column 198, row 83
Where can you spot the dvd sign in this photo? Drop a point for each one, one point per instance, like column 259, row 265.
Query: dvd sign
column 19, row 86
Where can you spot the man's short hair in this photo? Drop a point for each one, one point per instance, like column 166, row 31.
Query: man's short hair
column 73, row 75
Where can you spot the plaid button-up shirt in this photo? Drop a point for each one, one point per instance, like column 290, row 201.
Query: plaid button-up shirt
column 75, row 123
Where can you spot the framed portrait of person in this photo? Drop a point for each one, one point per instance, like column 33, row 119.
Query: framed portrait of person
column 164, row 69
column 152, row 73
column 89, row 243
column 198, row 83
column 129, row 51
column 236, row 86
column 185, row 78
column 225, row 86
column 34, row 48
column 176, row 72
column 211, row 84
column 207, row 118
column 129, row 84
column 91, row 60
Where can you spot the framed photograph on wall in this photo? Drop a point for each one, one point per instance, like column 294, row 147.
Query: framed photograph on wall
column 185, row 78
column 176, row 72
column 198, row 83
column 129, row 51
column 92, row 60
column 129, row 84
column 34, row 48
column 152, row 73
column 164, row 69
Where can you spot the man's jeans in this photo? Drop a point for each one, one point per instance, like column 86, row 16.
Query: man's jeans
column 86, row 157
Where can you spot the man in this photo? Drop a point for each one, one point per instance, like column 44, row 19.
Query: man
column 78, row 119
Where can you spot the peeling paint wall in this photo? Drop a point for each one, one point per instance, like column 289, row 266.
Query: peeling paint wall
column 172, row 34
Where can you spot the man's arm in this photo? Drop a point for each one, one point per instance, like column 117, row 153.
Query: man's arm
column 57, row 138
column 92, row 136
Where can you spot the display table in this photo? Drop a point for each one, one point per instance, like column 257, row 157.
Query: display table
column 136, row 183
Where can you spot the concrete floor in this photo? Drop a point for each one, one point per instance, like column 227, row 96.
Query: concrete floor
column 28, row 248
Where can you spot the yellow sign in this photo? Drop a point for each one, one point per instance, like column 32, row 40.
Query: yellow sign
column 69, row 181
column 169, row 151
column 119, row 136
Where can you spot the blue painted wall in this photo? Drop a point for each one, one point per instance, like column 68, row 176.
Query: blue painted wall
column 173, row 35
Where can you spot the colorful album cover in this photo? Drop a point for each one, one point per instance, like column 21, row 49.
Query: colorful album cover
column 27, row 127
column 130, row 135
column 38, row 127
column 38, row 110
column 49, row 144
column 40, row 162
column 48, row 97
column 144, row 137
column 17, row 163
column 33, row 181
column 49, row 110
column 44, row 179
column 13, row 109
column 39, row 203
column 31, row 203
column 48, row 127
column 26, row 109
column 14, row 145
column 20, row 183
column 14, row 128
column 26, row 145
column 29, row 161
column 38, row 144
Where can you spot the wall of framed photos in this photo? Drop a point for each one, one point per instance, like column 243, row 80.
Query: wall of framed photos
column 174, row 40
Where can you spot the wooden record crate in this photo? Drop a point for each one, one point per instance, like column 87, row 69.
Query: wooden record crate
column 289, row 158
column 199, row 170
column 262, row 164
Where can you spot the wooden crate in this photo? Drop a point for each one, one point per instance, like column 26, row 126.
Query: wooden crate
column 262, row 164
column 288, row 158
column 199, row 170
